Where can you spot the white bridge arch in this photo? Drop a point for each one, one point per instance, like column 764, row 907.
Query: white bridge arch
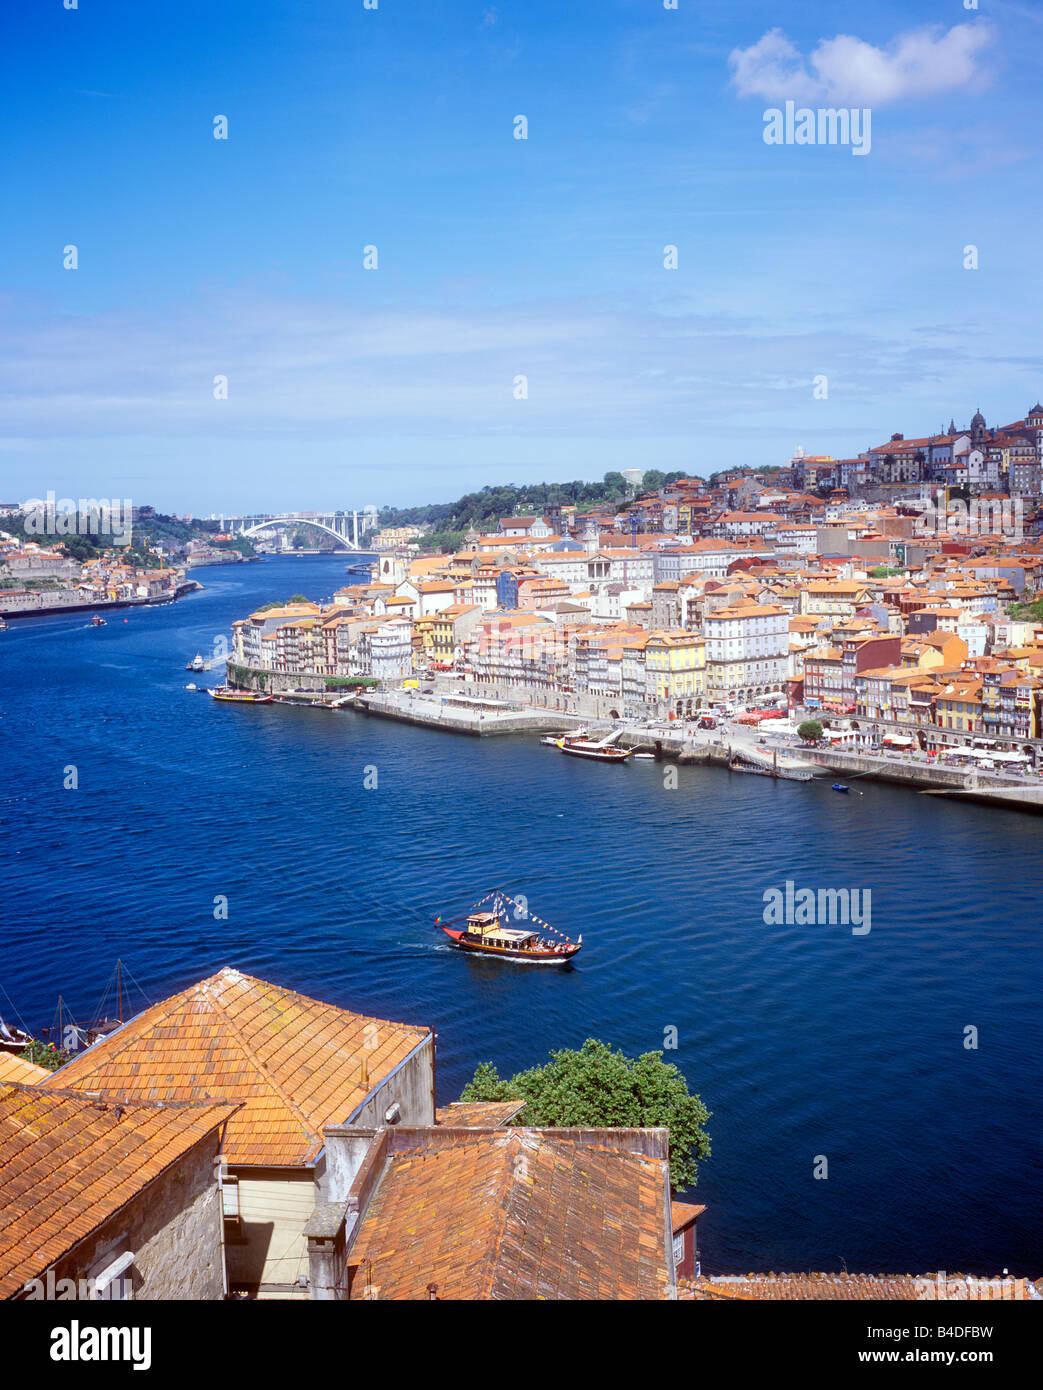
column 274, row 523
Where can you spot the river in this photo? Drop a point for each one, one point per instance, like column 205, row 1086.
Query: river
column 804, row 1041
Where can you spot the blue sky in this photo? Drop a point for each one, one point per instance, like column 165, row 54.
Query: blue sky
column 500, row 257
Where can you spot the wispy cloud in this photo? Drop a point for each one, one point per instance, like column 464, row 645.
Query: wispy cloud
column 314, row 370
column 846, row 70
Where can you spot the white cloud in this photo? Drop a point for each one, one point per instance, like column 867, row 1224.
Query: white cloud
column 848, row 71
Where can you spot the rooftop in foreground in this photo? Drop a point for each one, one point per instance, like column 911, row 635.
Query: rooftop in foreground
column 296, row 1063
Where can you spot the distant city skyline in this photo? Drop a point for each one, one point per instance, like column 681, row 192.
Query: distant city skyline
column 906, row 279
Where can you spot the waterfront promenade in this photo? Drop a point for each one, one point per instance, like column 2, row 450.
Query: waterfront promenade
column 42, row 609
column 684, row 743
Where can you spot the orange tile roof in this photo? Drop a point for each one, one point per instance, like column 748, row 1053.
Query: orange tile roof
column 848, row 1287
column 12, row 1068
column 516, row 1214
column 478, row 1114
column 683, row 1214
column 68, row 1163
column 296, row 1063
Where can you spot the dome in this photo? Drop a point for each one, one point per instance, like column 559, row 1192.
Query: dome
column 1036, row 410
column 978, row 419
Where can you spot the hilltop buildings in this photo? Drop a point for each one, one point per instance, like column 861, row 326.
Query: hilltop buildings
column 716, row 593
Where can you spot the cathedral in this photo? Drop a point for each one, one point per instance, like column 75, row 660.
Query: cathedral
column 1005, row 458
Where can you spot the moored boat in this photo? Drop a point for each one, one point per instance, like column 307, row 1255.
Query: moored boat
column 12, row 1039
column 602, row 750
column 840, row 787
column 554, row 740
column 238, row 697
column 486, row 931
column 737, row 765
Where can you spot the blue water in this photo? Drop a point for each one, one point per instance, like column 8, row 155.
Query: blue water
column 803, row 1041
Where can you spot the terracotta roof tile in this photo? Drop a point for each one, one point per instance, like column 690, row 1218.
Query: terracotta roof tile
column 478, row 1114
column 12, row 1068
column 847, row 1287
column 515, row 1214
column 67, row 1163
column 297, row 1064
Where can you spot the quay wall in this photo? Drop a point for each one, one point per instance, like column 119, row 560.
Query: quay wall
column 432, row 714
column 102, row 605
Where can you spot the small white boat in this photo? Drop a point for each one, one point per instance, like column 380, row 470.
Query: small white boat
column 648, row 756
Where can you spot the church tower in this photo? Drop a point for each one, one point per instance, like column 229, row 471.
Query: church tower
column 979, row 434
column 1034, row 421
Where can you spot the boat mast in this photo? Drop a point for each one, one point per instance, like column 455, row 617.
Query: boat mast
column 119, row 987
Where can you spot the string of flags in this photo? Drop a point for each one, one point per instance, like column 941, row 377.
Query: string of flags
column 499, row 895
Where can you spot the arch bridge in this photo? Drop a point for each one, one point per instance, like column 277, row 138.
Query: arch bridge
column 342, row 526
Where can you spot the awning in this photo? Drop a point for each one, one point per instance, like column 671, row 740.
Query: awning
column 898, row 742
column 1009, row 757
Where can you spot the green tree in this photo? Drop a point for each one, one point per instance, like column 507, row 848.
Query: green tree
column 45, row 1054
column 1030, row 610
column 600, row 1088
column 446, row 542
column 243, row 544
column 653, row 480
column 80, row 548
column 810, row 731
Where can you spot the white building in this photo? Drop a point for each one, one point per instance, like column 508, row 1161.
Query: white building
column 391, row 650
column 747, row 650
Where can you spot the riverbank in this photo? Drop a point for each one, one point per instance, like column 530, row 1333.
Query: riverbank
column 430, row 712
column 686, row 746
column 60, row 610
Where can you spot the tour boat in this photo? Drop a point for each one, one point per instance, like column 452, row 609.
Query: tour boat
column 602, row 750
column 196, row 664
column 737, row 765
column 239, row 697
column 98, row 622
column 554, row 740
column 486, row 931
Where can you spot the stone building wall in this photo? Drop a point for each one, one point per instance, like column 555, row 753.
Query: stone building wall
column 174, row 1229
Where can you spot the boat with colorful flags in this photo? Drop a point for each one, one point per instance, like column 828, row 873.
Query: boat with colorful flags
column 491, row 929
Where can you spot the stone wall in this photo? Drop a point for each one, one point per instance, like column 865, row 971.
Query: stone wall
column 411, row 1086
column 173, row 1227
